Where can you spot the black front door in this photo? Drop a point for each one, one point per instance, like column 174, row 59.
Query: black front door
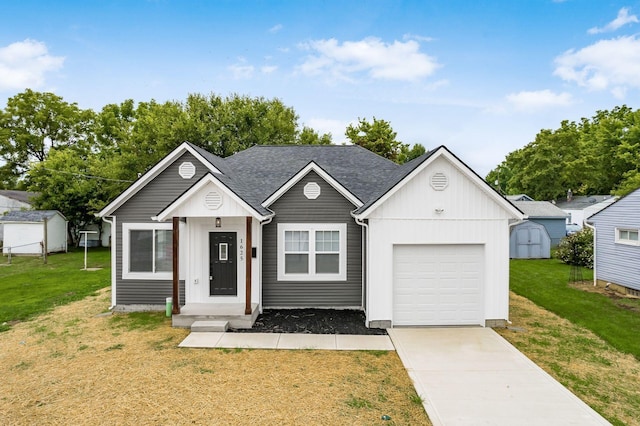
column 222, row 264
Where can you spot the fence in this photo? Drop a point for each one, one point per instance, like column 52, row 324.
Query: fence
column 9, row 248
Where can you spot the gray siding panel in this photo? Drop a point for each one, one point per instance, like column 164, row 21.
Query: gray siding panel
column 148, row 202
column 329, row 207
column 618, row 263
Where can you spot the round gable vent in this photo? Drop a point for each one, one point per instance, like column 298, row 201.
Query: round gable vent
column 439, row 181
column 312, row 190
column 187, row 170
column 213, row 200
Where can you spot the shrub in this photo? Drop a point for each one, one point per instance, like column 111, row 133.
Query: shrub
column 577, row 249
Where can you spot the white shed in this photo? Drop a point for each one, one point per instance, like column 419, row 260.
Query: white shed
column 24, row 231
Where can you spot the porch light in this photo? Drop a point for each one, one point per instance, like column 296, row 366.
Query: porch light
column 218, row 222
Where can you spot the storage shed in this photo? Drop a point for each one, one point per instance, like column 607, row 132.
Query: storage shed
column 529, row 240
column 24, row 231
column 547, row 215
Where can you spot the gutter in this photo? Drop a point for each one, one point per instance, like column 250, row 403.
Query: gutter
column 365, row 261
column 114, row 236
column 262, row 223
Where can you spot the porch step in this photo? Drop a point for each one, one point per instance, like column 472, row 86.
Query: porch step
column 201, row 326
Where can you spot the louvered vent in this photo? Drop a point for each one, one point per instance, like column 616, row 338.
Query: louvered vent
column 439, row 181
column 213, row 200
column 187, row 170
column 312, row 190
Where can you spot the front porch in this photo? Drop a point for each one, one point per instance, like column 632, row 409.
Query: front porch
column 233, row 313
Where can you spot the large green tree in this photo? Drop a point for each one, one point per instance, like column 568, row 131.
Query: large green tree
column 378, row 136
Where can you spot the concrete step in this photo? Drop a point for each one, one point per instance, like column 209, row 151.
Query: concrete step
column 201, row 326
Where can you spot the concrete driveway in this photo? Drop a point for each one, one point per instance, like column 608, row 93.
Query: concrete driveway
column 472, row 376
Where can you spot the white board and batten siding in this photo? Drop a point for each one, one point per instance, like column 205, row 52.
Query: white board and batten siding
column 463, row 227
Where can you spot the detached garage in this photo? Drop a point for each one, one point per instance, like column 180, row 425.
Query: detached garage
column 28, row 231
column 437, row 240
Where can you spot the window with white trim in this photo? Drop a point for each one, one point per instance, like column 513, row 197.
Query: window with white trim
column 627, row 236
column 312, row 251
column 147, row 251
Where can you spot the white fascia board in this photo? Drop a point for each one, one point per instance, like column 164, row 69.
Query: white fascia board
column 152, row 173
column 443, row 152
column 207, row 179
column 324, row 175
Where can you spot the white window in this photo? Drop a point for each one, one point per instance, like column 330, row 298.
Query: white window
column 627, row 236
column 147, row 251
column 312, row 251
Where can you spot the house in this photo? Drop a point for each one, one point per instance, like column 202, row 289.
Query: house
column 96, row 237
column 581, row 207
column 617, row 244
column 519, row 197
column 529, row 240
column 11, row 200
column 28, row 231
column 425, row 243
column 547, row 215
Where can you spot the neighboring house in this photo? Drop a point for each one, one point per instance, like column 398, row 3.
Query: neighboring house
column 529, row 240
column 547, row 215
column 425, row 243
column 519, row 197
column 96, row 238
column 24, row 231
column 617, row 243
column 11, row 200
column 580, row 208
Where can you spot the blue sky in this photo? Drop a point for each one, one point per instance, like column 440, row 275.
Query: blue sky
column 481, row 77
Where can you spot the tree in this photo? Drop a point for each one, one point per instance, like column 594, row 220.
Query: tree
column 377, row 136
column 34, row 123
column 308, row 136
column 407, row 154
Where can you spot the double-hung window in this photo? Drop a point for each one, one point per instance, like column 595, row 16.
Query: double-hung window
column 147, row 251
column 627, row 236
column 312, row 251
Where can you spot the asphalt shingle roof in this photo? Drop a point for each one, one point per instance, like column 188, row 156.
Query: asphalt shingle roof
column 539, row 209
column 22, row 196
column 28, row 215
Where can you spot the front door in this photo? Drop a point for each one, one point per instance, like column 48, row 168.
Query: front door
column 222, row 264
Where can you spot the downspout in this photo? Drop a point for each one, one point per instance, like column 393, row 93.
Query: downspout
column 114, row 236
column 262, row 223
column 595, row 252
column 365, row 261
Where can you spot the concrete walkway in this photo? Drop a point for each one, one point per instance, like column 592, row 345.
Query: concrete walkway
column 345, row 342
column 472, row 376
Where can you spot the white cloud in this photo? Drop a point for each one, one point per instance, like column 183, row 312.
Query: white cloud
column 275, row 29
column 417, row 37
column 606, row 65
column 24, row 64
column 268, row 69
column 385, row 61
column 622, row 19
column 241, row 71
column 535, row 100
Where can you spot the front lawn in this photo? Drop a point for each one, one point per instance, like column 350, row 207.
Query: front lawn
column 545, row 282
column 29, row 287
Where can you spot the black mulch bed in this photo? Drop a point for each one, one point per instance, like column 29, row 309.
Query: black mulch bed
column 311, row 321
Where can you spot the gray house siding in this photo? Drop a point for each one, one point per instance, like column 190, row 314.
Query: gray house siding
column 618, row 263
column 557, row 228
column 148, row 202
column 329, row 207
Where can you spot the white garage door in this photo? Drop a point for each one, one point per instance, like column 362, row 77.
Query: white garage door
column 438, row 284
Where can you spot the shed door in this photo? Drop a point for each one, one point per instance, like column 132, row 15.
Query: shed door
column 438, row 285
column 529, row 243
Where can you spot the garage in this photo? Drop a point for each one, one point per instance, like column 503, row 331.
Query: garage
column 436, row 284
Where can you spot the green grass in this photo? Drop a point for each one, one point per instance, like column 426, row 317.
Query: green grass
column 29, row 287
column 545, row 282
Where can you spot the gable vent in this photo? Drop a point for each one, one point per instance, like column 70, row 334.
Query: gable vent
column 187, row 170
column 213, row 200
column 312, row 190
column 439, row 181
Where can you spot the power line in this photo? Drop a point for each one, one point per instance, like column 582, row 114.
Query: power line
column 85, row 176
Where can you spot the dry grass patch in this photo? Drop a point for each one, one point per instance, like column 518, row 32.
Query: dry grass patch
column 73, row 367
column 603, row 377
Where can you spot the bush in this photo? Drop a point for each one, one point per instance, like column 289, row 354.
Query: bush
column 577, row 249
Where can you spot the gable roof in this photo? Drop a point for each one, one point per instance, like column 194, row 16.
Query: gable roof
column 540, row 209
column 634, row 193
column 22, row 196
column 259, row 175
column 405, row 172
column 519, row 197
column 30, row 216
